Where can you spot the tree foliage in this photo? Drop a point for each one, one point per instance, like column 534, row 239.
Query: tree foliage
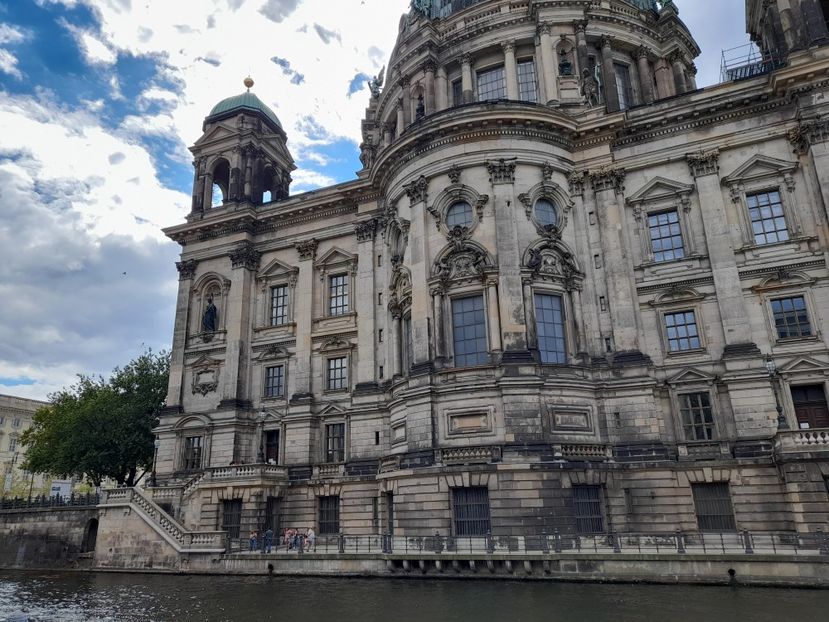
column 98, row 429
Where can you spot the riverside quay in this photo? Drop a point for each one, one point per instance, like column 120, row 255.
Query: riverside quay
column 570, row 318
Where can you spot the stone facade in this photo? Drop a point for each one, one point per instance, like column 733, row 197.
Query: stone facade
column 16, row 415
column 568, row 290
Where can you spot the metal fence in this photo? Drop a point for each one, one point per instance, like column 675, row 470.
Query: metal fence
column 40, row 502
column 730, row 543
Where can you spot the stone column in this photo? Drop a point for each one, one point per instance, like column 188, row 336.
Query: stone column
column 789, row 22
column 248, row 175
column 437, row 314
column 494, row 315
column 549, row 63
column 645, row 76
column 466, row 79
column 417, row 192
column 406, row 97
column 664, row 80
column 186, row 273
column 442, row 88
column 401, row 120
column 303, row 316
column 678, row 67
column 235, row 173
column 705, row 169
column 692, row 77
column 611, row 91
column 387, row 134
column 208, row 191
column 198, row 190
column 429, row 86
column 365, row 304
column 511, row 71
column 581, row 44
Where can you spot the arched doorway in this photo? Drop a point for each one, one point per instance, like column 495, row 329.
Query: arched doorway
column 90, row 536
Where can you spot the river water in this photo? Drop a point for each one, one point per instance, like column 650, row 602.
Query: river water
column 142, row 598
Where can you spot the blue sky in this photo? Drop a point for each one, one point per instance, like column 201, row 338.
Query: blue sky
column 99, row 100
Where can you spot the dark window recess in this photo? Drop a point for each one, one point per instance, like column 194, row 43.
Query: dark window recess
column 272, row 514
column 389, row 513
column 375, row 512
column 232, row 517
column 337, row 379
column 377, row 438
column 623, row 85
column 329, row 514
column 338, row 295
column 587, row 509
column 810, row 406
column 791, row 318
column 457, row 93
column 666, row 236
column 192, row 453
column 550, row 326
column 470, row 511
column 335, row 442
column 491, row 84
column 272, row 446
column 682, row 332
column 713, row 507
column 527, row 83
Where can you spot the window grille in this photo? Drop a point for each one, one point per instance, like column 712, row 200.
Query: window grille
column 329, row 515
column 272, row 446
column 469, row 331
column 491, row 84
column 232, row 518
column 527, row 81
column 791, row 319
column 275, row 381
column 713, row 506
column 550, row 325
column 587, row 509
column 623, row 85
column 279, row 305
column 681, row 329
column 337, row 378
column 338, row 295
column 768, row 222
column 335, row 442
column 697, row 416
column 470, row 511
column 545, row 213
column 192, row 453
column 666, row 236
column 459, row 215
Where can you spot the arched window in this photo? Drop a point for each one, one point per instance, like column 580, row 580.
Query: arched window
column 221, row 183
column 545, row 213
column 459, row 215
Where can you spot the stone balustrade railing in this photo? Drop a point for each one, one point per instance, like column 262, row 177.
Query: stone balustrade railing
column 803, row 440
column 594, row 451
column 247, row 471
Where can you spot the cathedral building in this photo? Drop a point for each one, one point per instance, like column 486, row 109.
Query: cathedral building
column 568, row 289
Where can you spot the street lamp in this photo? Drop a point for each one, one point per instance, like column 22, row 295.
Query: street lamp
column 156, row 444
column 771, row 367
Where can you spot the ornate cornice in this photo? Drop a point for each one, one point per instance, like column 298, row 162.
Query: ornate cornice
column 246, row 256
column 307, row 249
column 187, row 269
column 704, row 162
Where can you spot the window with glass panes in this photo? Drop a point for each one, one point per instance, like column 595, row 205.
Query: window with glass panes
column 12, row 443
column 715, row 512
column 470, row 511
column 335, row 442
column 338, row 294
column 545, row 213
column 549, row 316
column 469, row 331
column 271, row 442
column 329, row 514
column 337, row 374
column 681, row 330
column 192, row 453
column 527, row 82
column 275, row 381
column 491, row 84
column 457, row 93
column 587, row 509
column 459, row 215
column 791, row 319
column 768, row 222
column 666, row 236
column 279, row 305
column 697, row 416
column 623, row 85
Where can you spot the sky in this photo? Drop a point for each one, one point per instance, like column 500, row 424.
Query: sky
column 99, row 100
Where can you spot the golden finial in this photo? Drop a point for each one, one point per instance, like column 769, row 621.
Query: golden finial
column 249, row 83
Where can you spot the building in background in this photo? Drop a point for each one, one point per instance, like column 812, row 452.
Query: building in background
column 568, row 289
column 16, row 414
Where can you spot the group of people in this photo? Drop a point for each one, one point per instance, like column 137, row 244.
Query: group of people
column 292, row 539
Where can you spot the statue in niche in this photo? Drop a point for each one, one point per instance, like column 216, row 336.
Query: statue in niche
column 377, row 83
column 589, row 88
column 209, row 321
column 565, row 65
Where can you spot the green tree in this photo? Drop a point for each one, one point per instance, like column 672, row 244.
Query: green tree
column 98, row 429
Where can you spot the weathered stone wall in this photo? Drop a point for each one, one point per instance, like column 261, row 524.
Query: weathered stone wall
column 44, row 538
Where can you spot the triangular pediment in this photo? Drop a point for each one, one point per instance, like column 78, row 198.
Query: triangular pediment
column 690, row 375
column 334, row 256
column 760, row 166
column 274, row 352
column 660, row 189
column 216, row 133
column 803, row 364
column 277, row 268
column 205, row 361
column 332, row 410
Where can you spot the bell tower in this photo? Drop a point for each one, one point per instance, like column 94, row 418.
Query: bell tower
column 241, row 157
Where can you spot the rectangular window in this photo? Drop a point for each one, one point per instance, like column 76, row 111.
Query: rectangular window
column 232, row 518
column 337, row 376
column 338, row 294
column 550, row 323
column 279, row 305
column 192, row 453
column 272, row 446
column 335, row 442
column 457, row 93
column 16, row 422
column 697, row 416
column 681, row 330
column 469, row 331
column 491, row 84
column 587, row 509
column 375, row 512
column 666, row 236
column 329, row 515
column 768, row 222
column 527, row 81
column 713, row 506
column 810, row 406
column 470, row 511
column 12, row 443
column 623, row 85
column 275, row 381
column 791, row 318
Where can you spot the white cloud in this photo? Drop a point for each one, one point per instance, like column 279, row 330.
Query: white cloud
column 8, row 64
column 12, row 35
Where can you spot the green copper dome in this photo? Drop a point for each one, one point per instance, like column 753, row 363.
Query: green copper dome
column 245, row 101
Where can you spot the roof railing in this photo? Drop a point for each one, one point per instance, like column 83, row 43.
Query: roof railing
column 748, row 61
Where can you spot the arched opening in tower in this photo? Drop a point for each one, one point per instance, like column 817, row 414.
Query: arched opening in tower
column 221, row 183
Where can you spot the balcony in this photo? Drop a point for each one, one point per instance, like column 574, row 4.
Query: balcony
column 802, row 443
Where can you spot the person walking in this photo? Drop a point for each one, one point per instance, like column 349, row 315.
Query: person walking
column 253, row 535
column 268, row 540
column 311, row 538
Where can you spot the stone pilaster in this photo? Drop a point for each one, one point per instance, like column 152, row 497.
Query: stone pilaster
column 303, row 316
column 645, row 75
column 611, row 91
column 466, row 79
column 441, row 89
column 549, row 64
column 511, row 70
column 186, row 272
column 365, row 303
column 421, row 304
column 429, row 86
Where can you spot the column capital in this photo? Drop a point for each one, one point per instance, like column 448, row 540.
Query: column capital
column 187, row 269
column 576, row 181
column 466, row 59
column 607, row 178
column 704, row 162
column 508, row 47
column 246, row 256
column 418, row 191
column 430, row 66
column 607, row 41
column 307, row 249
column 366, row 230
column 580, row 25
column 544, row 29
column 808, row 133
column 644, row 52
column 676, row 57
column 501, row 171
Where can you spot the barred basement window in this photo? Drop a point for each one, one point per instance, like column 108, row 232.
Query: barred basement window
column 791, row 319
column 192, row 453
column 681, row 330
column 550, row 326
column 587, row 509
column 338, row 295
column 329, row 515
column 275, row 381
column 470, row 511
column 335, row 442
column 279, row 305
column 527, row 83
column 666, row 236
column 491, row 84
column 232, row 517
column 768, row 221
column 713, row 506
column 697, row 416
